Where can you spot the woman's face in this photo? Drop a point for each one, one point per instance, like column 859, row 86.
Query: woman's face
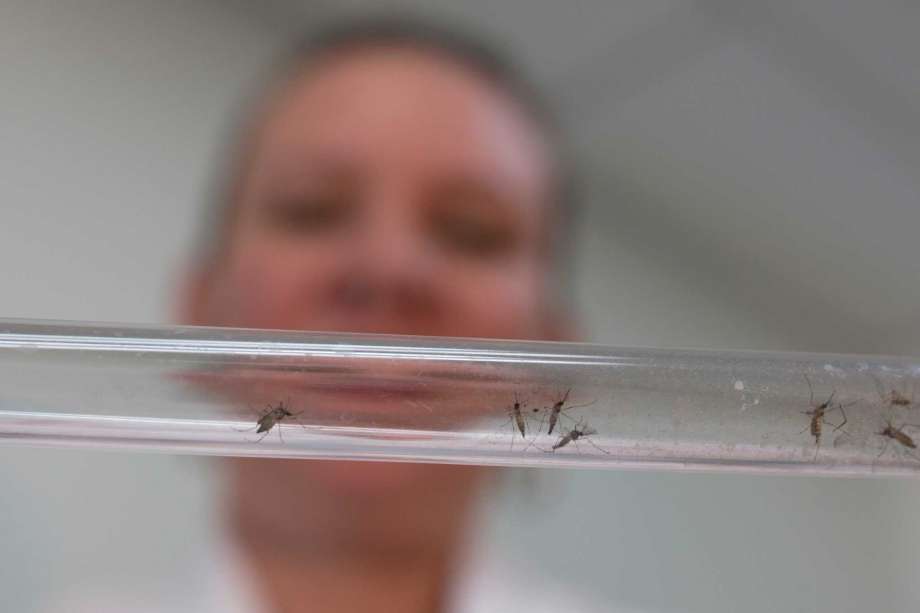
column 387, row 191
column 391, row 191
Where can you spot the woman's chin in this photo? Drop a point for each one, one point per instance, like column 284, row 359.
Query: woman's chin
column 375, row 479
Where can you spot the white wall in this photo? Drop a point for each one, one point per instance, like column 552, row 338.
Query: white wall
column 714, row 173
column 111, row 114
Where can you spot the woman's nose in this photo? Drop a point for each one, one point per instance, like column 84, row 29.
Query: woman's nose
column 390, row 268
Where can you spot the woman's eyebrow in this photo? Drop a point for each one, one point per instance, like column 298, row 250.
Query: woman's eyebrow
column 324, row 162
column 463, row 180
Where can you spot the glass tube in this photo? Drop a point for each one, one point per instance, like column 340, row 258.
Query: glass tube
column 233, row 392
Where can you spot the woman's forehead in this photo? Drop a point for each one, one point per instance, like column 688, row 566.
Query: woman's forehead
column 371, row 106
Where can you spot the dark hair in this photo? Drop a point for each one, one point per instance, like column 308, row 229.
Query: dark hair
column 469, row 51
column 451, row 43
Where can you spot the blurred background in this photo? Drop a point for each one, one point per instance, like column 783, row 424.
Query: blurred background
column 750, row 180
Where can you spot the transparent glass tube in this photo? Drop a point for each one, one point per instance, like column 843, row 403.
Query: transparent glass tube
column 232, row 392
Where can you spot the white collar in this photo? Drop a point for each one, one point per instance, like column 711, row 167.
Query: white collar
column 484, row 584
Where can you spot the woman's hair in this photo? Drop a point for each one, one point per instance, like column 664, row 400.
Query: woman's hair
column 429, row 37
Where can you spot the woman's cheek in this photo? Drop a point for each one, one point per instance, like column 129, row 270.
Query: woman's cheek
column 500, row 304
column 261, row 286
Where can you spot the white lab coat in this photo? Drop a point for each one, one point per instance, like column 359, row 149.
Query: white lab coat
column 224, row 586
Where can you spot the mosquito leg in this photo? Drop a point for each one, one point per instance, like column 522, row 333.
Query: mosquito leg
column 884, row 449
column 811, row 391
column 593, row 444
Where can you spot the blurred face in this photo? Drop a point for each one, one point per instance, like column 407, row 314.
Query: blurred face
column 388, row 191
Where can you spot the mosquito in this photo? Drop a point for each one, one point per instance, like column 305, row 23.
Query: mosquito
column 556, row 410
column 897, row 434
column 817, row 413
column 269, row 418
column 517, row 418
column 893, row 397
column 580, row 430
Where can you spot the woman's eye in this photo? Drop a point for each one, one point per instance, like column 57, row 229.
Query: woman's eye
column 309, row 215
column 472, row 235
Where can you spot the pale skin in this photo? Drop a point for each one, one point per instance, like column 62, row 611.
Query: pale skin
column 386, row 190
